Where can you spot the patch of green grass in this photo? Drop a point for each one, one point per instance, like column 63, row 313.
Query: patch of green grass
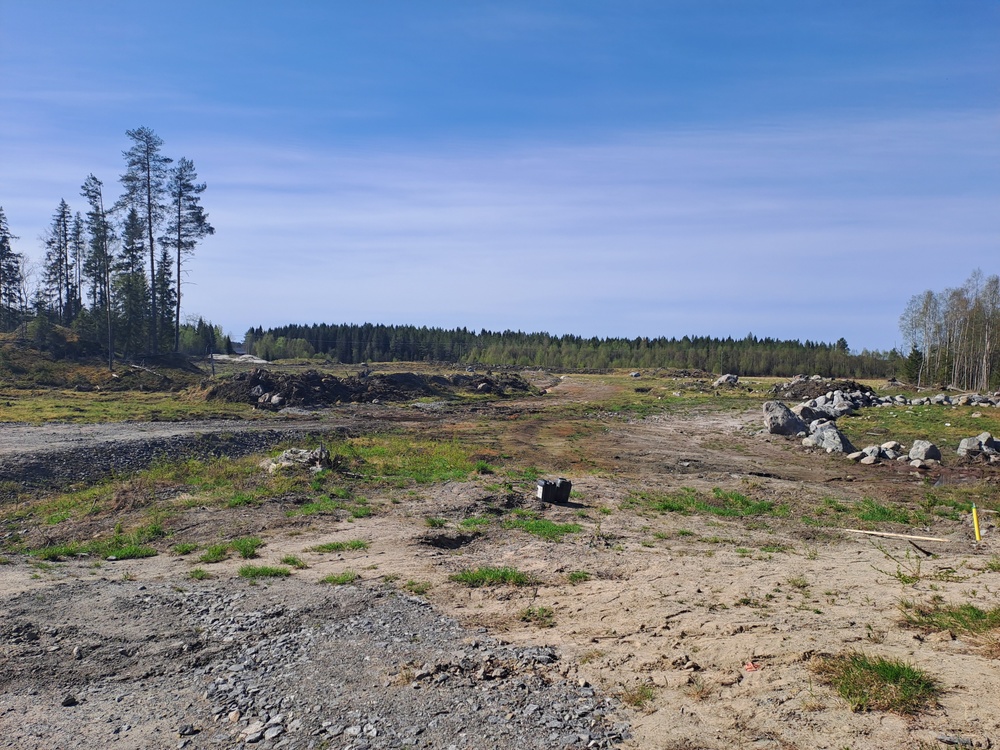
column 869, row 509
column 959, row 618
column 240, row 499
column 578, row 576
column 491, row 576
column 121, row 545
column 725, row 503
column 544, row 528
column 417, row 587
column 341, row 579
column 247, row 546
column 774, row 548
column 295, row 562
column 184, row 548
column 199, row 574
column 543, row 617
column 436, row 523
column 475, row 523
column 254, row 572
column 483, row 467
column 993, row 564
column 878, row 684
column 215, row 553
column 361, row 511
column 350, row 545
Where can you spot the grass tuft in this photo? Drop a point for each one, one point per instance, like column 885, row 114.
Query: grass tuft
column 341, row 579
column 254, row 572
column 247, row 546
column 489, row 576
column 543, row 617
column 878, row 684
column 350, row 545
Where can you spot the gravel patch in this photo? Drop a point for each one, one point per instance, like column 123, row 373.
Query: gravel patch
column 292, row 665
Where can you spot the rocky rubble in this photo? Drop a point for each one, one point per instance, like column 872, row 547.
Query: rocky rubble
column 822, row 410
column 295, row 665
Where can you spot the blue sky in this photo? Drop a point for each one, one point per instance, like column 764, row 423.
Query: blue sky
column 794, row 169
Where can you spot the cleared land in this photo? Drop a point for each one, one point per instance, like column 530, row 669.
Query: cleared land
column 698, row 576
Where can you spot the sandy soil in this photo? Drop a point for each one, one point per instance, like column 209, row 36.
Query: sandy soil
column 719, row 617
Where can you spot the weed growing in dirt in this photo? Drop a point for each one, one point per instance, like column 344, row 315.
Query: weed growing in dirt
column 349, row 545
column 878, row 684
column 199, row 574
column 489, row 576
column 294, row 562
column 475, row 523
column 638, row 696
column 959, row 618
column 341, row 579
column 247, row 546
column 254, row 572
column 417, row 587
column 993, row 564
column 215, row 553
column 184, row 548
column 436, row 523
column 543, row 617
column 908, row 567
column 578, row 576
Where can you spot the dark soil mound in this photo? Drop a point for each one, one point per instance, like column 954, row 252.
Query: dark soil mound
column 276, row 390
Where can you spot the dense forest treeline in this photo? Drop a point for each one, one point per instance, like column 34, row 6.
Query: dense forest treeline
column 353, row 343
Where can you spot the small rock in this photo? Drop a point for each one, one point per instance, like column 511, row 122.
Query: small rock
column 70, row 700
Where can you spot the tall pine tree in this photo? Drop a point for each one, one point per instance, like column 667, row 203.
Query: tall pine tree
column 187, row 225
column 144, row 180
column 97, row 265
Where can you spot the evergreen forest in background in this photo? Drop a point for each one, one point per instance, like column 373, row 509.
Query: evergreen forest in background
column 353, row 344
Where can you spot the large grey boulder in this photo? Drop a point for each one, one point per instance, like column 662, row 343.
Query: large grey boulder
column 728, row 379
column 780, row 420
column 976, row 446
column 924, row 450
column 827, row 437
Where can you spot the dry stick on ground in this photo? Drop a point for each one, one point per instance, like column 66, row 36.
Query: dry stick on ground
column 897, row 536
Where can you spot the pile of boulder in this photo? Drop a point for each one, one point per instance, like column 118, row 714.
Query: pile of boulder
column 814, row 421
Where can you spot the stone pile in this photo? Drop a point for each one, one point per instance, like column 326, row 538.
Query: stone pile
column 814, row 421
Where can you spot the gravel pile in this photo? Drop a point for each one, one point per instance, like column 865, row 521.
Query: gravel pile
column 293, row 665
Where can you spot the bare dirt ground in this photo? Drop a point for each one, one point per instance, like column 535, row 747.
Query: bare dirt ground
column 702, row 627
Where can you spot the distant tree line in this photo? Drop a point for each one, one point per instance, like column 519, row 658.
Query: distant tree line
column 953, row 334
column 114, row 273
column 352, row 343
